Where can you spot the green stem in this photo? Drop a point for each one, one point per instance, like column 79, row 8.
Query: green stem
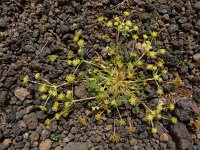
column 62, row 85
column 88, row 62
column 47, row 81
column 150, row 79
column 118, row 112
column 47, row 99
column 145, row 105
column 140, row 58
column 41, row 83
column 84, row 99
column 77, row 68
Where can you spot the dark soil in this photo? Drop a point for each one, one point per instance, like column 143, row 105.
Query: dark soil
column 31, row 30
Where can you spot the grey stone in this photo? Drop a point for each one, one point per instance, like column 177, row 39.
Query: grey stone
column 196, row 57
column 34, row 136
column 197, row 25
column 171, row 144
column 166, row 18
column 19, row 145
column 26, row 135
column 45, row 134
column 182, row 20
column 173, row 28
column 183, row 110
column 76, row 146
column 196, row 95
column 31, row 120
column 143, row 135
column 3, row 97
column 74, row 130
column 64, row 28
column 3, row 23
column 187, row 26
column 182, row 136
column 197, row 6
column 15, row 128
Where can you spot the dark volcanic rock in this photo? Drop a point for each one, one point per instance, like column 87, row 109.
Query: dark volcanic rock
column 197, row 6
column 171, row 60
column 31, row 120
column 196, row 95
column 173, row 28
column 15, row 128
column 187, row 26
column 76, row 146
column 64, row 28
column 29, row 48
column 183, row 110
column 182, row 136
column 3, row 24
column 3, row 97
column 115, row 1
column 197, row 25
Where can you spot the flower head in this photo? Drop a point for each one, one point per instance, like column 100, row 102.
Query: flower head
column 162, row 51
column 171, row 106
column 52, row 58
column 37, row 76
column 154, row 34
column 128, row 23
column 61, row 96
column 57, row 116
column 55, row 106
column 135, row 28
column 174, row 120
column 160, row 90
column 47, row 122
column 44, row 96
column 126, row 13
column 109, row 24
column 100, row 19
column 42, row 88
column 135, row 36
column 26, row 79
column 154, row 130
column 81, row 43
column 70, row 78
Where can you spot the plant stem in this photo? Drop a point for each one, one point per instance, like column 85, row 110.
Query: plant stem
column 150, row 79
column 114, row 124
column 61, row 60
column 47, row 81
column 84, row 99
column 140, row 58
column 40, row 83
column 145, row 105
column 62, row 85
column 117, row 37
column 77, row 68
column 119, row 112
column 88, row 62
column 47, row 99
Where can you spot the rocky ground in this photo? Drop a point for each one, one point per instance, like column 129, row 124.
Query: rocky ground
column 31, row 30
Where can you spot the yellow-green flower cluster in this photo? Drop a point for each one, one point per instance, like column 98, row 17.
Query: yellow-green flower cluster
column 52, row 58
column 120, row 24
column 77, row 39
column 71, row 60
